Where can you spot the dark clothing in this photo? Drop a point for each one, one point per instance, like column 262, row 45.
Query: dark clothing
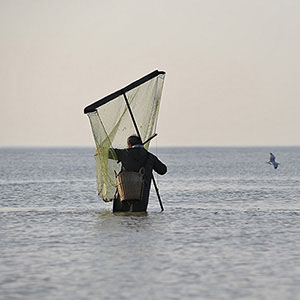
column 133, row 159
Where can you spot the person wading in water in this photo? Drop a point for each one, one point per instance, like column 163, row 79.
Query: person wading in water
column 133, row 159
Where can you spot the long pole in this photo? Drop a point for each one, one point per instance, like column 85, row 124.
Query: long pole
column 150, row 138
column 139, row 135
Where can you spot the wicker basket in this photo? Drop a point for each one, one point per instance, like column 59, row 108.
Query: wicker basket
column 130, row 185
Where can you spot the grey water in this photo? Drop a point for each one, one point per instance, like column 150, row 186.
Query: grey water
column 230, row 229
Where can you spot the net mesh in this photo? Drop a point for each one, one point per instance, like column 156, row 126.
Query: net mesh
column 112, row 123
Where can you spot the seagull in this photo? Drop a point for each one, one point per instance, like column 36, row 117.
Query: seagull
column 272, row 161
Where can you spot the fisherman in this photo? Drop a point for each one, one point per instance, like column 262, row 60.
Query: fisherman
column 133, row 158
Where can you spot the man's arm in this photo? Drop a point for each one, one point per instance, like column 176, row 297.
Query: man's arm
column 114, row 154
column 159, row 167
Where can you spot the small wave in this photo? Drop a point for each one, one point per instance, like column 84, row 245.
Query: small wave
column 51, row 209
column 27, row 182
column 26, row 209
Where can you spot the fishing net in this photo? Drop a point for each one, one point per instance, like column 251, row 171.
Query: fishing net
column 112, row 122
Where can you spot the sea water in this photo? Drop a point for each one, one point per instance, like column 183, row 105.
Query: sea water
column 230, row 229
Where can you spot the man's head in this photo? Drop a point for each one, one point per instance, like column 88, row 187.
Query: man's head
column 133, row 140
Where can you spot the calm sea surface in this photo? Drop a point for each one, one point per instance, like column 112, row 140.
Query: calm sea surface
column 230, row 230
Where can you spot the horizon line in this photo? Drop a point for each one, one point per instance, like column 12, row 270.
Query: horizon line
column 154, row 146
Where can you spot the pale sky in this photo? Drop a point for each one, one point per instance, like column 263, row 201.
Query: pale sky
column 232, row 68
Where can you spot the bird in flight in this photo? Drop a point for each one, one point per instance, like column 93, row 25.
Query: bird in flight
column 272, row 161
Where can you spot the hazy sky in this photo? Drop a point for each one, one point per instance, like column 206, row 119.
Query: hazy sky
column 233, row 68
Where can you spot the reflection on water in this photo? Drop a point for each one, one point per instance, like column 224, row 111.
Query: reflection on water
column 131, row 214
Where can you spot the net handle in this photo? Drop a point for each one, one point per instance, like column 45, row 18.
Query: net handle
column 139, row 135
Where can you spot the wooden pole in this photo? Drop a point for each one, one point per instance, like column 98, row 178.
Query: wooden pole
column 139, row 135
